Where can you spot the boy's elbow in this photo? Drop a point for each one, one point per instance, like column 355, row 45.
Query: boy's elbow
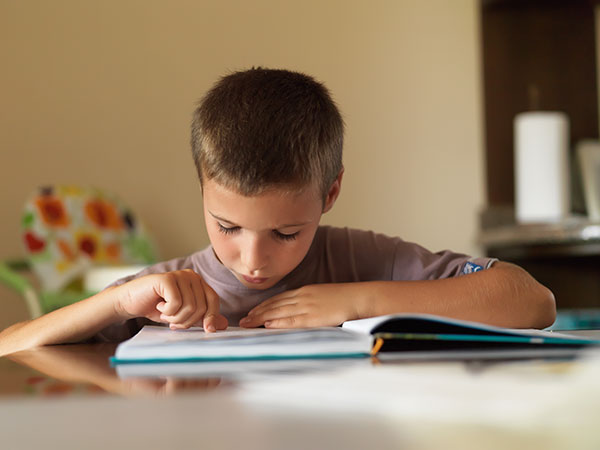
column 536, row 305
column 543, row 307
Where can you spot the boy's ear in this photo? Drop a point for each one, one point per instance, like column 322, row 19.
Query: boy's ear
column 334, row 191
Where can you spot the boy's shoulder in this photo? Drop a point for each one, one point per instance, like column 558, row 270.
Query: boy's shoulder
column 353, row 237
column 371, row 251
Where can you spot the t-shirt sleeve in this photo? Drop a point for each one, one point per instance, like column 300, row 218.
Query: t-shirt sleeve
column 368, row 256
column 123, row 330
column 414, row 262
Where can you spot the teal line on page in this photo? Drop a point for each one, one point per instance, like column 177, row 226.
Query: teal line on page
column 486, row 338
column 115, row 361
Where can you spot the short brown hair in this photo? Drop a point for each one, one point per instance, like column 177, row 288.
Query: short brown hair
column 264, row 128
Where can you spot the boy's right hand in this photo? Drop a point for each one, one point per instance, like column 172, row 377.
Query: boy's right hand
column 181, row 299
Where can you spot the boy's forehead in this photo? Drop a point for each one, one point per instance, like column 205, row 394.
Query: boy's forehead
column 274, row 207
column 285, row 191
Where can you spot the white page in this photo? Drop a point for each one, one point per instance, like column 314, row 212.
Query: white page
column 162, row 343
column 157, row 334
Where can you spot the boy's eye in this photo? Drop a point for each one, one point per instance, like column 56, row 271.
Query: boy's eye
column 226, row 230
column 278, row 234
column 285, row 237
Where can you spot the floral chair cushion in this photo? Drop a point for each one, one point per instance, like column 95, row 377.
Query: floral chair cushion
column 67, row 229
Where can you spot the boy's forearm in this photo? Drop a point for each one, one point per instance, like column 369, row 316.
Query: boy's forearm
column 69, row 324
column 504, row 295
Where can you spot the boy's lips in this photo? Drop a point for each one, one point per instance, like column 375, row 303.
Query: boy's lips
column 254, row 280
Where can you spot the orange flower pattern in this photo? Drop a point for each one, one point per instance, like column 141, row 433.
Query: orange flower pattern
column 113, row 251
column 88, row 245
column 52, row 211
column 103, row 214
column 65, row 228
column 66, row 249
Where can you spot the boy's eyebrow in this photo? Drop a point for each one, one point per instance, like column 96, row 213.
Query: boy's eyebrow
column 222, row 219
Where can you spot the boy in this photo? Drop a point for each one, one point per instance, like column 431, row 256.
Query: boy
column 268, row 150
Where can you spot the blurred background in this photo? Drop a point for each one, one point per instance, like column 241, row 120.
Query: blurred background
column 101, row 93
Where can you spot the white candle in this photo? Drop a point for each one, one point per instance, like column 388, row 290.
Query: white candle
column 542, row 191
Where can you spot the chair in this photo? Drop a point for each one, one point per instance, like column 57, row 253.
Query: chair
column 67, row 231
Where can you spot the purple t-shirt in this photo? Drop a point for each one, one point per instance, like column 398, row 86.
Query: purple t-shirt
column 336, row 255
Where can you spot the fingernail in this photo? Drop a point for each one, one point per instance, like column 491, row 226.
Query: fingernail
column 244, row 320
column 211, row 328
column 268, row 323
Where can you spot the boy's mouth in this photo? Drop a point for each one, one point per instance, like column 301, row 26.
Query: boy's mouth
column 254, row 280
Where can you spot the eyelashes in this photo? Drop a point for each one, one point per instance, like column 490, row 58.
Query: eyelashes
column 277, row 234
column 285, row 237
column 226, row 230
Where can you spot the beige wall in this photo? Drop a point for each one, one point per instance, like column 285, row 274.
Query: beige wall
column 101, row 93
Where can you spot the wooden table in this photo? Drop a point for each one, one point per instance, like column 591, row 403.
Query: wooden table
column 69, row 397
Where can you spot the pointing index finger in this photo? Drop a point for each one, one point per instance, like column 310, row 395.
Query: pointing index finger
column 213, row 320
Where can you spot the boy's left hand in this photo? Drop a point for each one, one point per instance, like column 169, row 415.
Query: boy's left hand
column 315, row 305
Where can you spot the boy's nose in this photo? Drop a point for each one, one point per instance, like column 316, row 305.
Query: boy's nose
column 254, row 256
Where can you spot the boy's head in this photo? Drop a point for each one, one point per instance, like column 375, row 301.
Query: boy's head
column 268, row 150
column 262, row 128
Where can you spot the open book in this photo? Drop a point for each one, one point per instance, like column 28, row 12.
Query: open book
column 413, row 335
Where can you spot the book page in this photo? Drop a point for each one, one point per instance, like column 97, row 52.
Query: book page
column 160, row 334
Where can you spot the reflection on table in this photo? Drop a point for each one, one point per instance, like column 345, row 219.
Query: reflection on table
column 61, row 370
column 366, row 403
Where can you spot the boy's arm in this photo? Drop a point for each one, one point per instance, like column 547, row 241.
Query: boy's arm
column 503, row 295
column 181, row 299
column 72, row 323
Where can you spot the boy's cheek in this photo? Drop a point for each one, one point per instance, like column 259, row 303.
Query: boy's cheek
column 224, row 253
